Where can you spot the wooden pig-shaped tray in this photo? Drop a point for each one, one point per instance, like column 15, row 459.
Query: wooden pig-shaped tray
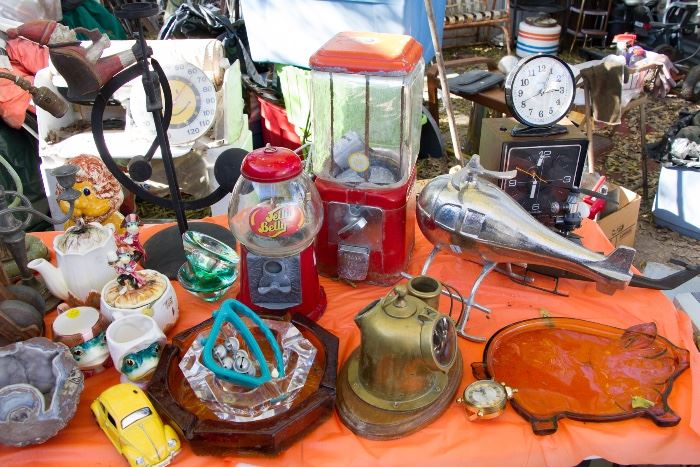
column 564, row 367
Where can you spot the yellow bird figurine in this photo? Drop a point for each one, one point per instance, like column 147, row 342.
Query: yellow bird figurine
column 101, row 194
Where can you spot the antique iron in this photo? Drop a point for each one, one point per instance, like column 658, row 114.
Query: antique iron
column 468, row 216
column 402, row 335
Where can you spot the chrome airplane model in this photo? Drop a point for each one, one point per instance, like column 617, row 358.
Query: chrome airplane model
column 466, row 215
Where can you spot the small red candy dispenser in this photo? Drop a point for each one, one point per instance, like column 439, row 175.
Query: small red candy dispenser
column 275, row 213
column 367, row 93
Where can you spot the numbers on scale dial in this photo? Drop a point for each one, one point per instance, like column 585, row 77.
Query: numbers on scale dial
column 541, row 91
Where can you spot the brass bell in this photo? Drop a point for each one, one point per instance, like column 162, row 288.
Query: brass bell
column 407, row 367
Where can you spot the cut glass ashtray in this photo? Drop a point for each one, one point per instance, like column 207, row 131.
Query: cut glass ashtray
column 232, row 402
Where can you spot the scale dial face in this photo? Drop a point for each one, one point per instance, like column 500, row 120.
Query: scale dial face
column 194, row 104
column 540, row 90
column 543, row 174
column 486, row 394
column 444, row 342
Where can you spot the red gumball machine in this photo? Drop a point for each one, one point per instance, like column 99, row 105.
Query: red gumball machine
column 367, row 91
column 275, row 213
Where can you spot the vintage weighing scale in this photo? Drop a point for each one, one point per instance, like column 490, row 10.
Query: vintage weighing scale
column 366, row 93
column 547, row 156
column 93, row 80
column 275, row 213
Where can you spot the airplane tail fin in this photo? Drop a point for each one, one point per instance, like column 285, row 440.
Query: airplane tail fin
column 616, row 265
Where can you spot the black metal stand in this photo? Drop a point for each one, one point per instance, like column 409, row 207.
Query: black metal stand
column 164, row 250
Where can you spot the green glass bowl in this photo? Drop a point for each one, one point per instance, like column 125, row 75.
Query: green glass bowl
column 211, row 267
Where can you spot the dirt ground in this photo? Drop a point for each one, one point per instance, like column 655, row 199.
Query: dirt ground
column 621, row 164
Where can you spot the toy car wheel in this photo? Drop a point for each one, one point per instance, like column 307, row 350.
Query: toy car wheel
column 691, row 85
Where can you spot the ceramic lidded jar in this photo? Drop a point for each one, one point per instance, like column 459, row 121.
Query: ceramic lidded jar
column 155, row 298
column 81, row 255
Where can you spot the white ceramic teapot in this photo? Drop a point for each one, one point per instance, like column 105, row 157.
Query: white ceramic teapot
column 81, row 255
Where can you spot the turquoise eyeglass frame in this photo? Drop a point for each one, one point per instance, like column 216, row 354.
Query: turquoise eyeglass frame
column 231, row 312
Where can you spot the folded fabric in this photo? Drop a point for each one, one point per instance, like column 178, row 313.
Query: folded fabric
column 92, row 15
column 664, row 81
column 474, row 82
column 604, row 80
column 467, row 78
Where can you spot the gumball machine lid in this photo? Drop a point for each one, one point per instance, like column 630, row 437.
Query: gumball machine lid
column 369, row 53
column 271, row 165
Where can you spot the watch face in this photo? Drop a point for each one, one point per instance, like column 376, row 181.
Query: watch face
column 540, row 90
column 194, row 104
column 485, row 394
column 543, row 174
column 444, row 342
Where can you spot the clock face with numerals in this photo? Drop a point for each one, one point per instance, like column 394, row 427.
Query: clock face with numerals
column 543, row 174
column 540, row 90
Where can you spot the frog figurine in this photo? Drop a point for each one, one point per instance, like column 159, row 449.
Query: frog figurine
column 137, row 365
column 135, row 342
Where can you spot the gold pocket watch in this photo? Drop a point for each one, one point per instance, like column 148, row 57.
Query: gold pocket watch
column 485, row 399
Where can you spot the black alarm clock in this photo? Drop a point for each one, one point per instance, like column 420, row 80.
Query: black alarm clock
column 547, row 167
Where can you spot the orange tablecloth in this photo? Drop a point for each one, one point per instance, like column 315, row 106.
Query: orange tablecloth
column 451, row 439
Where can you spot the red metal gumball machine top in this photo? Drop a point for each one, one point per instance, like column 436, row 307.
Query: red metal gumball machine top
column 275, row 213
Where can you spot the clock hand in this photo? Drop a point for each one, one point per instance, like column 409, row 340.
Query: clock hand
column 538, row 93
column 542, row 91
column 546, row 81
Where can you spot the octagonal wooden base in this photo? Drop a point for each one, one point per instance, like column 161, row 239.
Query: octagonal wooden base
column 208, row 435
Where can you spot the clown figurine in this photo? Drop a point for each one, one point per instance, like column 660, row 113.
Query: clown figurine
column 130, row 238
column 124, row 262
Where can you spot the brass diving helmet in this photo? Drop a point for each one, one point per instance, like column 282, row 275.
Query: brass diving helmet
column 407, row 368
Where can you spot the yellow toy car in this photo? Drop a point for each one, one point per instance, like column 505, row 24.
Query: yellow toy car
column 132, row 424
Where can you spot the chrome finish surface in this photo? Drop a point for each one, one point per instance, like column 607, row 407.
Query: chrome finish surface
column 470, row 217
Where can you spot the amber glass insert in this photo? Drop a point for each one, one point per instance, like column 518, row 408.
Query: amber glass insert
column 564, row 367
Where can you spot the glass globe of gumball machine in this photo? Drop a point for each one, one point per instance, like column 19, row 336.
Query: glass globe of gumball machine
column 275, row 213
column 367, row 91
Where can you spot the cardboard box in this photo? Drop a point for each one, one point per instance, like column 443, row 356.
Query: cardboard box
column 620, row 226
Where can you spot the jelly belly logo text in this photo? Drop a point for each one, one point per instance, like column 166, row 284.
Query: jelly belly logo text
column 281, row 221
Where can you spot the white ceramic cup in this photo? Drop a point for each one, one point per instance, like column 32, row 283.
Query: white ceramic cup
column 164, row 309
column 135, row 343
